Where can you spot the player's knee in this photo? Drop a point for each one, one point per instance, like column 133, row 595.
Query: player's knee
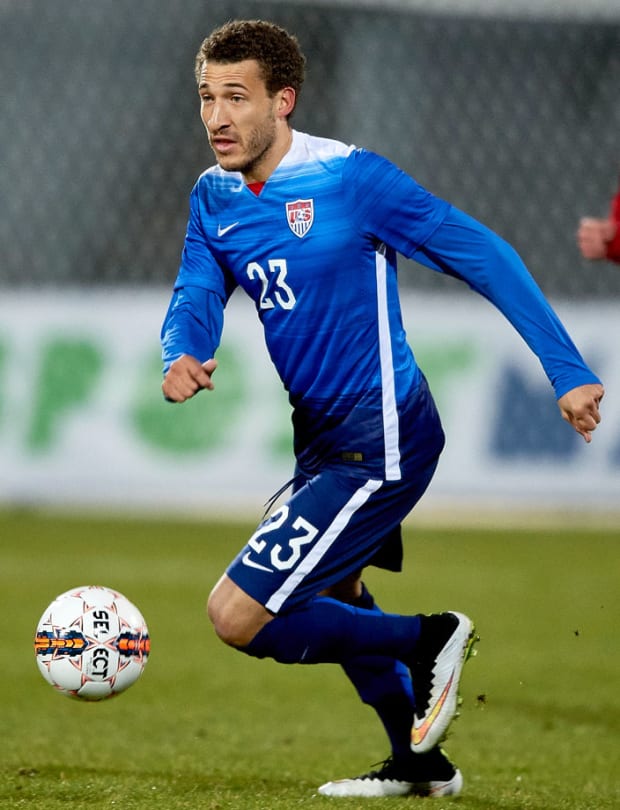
column 228, row 629
column 235, row 618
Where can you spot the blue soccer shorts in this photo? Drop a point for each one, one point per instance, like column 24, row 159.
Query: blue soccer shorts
column 334, row 524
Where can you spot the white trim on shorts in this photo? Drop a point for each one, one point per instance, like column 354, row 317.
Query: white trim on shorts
column 338, row 524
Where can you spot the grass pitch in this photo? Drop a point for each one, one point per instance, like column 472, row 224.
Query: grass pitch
column 208, row 728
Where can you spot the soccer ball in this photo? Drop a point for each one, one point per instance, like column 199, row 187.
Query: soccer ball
column 91, row 643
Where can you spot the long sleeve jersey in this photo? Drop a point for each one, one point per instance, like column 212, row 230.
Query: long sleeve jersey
column 317, row 253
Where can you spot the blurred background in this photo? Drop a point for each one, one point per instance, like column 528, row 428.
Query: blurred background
column 509, row 109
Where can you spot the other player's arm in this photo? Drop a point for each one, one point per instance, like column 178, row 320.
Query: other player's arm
column 594, row 237
column 613, row 247
column 600, row 238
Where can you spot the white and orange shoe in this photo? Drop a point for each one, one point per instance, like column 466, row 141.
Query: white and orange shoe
column 430, row 775
column 446, row 642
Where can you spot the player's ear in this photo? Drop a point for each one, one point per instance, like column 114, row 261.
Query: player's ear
column 286, row 101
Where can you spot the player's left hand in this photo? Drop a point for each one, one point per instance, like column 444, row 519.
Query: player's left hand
column 580, row 408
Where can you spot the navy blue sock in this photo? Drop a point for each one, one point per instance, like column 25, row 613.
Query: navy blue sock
column 385, row 684
column 325, row 631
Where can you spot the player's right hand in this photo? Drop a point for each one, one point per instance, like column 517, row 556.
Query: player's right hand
column 186, row 376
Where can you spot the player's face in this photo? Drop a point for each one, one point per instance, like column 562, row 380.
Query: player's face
column 246, row 126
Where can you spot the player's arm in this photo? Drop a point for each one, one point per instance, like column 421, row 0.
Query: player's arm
column 190, row 335
column 186, row 376
column 192, row 327
column 580, row 408
column 464, row 248
column 397, row 210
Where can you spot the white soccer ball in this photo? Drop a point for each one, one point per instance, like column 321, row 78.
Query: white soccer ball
column 91, row 643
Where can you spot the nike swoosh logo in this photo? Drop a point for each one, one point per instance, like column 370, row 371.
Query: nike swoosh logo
column 221, row 231
column 247, row 560
column 419, row 733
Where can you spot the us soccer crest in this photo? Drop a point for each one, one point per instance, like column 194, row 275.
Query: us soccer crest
column 300, row 216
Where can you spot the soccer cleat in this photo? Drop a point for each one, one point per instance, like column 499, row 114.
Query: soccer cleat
column 445, row 644
column 429, row 775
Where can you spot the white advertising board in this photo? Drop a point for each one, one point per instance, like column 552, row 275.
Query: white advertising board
column 83, row 422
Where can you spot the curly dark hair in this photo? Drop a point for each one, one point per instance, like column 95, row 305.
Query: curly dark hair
column 277, row 52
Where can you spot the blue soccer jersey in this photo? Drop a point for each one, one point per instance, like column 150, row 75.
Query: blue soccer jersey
column 316, row 252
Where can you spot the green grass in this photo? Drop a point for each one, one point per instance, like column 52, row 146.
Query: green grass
column 206, row 727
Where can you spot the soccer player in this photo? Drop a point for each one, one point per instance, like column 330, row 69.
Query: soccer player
column 599, row 238
column 309, row 228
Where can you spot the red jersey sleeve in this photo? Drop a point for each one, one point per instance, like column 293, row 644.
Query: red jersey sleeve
column 613, row 248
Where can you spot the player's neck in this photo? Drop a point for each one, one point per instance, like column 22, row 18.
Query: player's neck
column 261, row 172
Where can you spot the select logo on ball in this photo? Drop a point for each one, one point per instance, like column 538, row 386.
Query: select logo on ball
column 91, row 643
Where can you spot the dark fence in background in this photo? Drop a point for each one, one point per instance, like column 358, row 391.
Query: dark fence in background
column 515, row 121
